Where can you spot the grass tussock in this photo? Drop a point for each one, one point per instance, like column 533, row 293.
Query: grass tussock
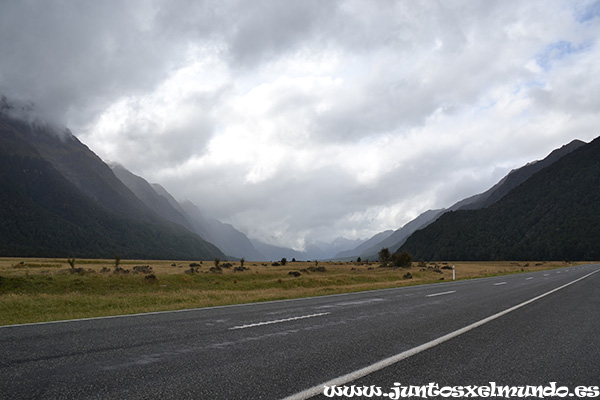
column 37, row 290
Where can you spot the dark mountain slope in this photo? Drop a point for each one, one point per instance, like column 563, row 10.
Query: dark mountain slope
column 553, row 215
column 149, row 196
column 43, row 213
column 515, row 178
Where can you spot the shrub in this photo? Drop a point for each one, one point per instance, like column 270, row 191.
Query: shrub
column 119, row 270
column 403, row 259
column 143, row 269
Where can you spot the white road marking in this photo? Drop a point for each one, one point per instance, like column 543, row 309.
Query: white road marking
column 277, row 321
column 442, row 293
column 348, row 303
column 352, row 376
column 531, row 277
column 500, row 283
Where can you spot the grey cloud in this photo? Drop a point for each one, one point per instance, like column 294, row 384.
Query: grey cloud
column 267, row 29
column 77, row 57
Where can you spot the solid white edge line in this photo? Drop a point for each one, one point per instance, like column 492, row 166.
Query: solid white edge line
column 342, row 380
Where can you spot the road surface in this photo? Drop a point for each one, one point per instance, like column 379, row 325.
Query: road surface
column 525, row 329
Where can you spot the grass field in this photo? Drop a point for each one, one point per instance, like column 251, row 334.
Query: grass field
column 36, row 290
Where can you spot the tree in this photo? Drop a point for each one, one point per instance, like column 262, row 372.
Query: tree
column 384, row 256
column 283, row 261
column 242, row 262
column 217, row 261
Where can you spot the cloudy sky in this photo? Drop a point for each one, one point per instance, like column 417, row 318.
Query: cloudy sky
column 303, row 120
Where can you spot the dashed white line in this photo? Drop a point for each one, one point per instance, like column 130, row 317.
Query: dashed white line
column 277, row 321
column 500, row 283
column 442, row 293
column 531, row 277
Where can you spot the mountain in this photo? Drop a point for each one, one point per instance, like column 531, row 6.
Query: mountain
column 478, row 201
column 552, row 215
column 225, row 236
column 150, row 197
column 515, row 178
column 375, row 240
column 276, row 253
column 399, row 236
column 320, row 250
column 58, row 199
column 231, row 241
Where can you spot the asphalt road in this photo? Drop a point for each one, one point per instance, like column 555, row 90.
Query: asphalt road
column 279, row 349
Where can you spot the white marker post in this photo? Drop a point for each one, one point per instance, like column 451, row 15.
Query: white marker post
column 453, row 273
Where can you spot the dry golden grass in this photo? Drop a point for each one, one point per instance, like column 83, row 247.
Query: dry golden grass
column 35, row 290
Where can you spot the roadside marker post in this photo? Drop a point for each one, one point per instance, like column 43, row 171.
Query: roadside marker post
column 453, row 273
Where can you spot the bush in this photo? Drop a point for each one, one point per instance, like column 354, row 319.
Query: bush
column 403, row 260
column 142, row 269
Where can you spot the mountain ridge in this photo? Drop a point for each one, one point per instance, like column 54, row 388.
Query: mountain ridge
column 553, row 215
